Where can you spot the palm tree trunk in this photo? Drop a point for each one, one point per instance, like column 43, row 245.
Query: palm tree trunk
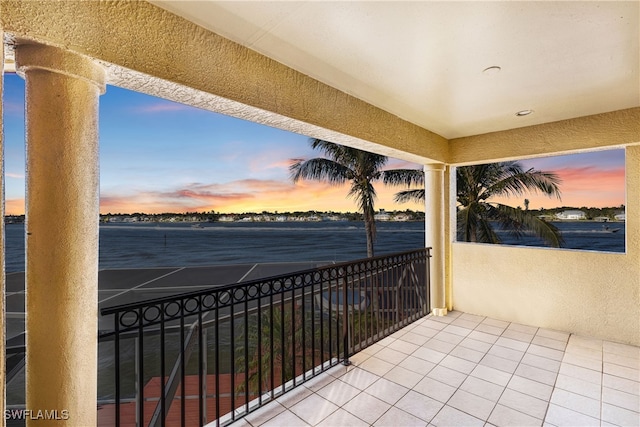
column 370, row 231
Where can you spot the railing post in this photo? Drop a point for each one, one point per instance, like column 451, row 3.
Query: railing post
column 345, row 322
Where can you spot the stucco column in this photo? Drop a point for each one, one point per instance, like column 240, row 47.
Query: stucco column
column 434, row 189
column 62, row 215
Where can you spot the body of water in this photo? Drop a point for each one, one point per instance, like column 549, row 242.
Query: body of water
column 146, row 245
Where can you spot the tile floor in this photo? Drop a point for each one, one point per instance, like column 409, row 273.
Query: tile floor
column 465, row 370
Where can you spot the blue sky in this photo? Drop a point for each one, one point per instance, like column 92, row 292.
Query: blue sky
column 159, row 156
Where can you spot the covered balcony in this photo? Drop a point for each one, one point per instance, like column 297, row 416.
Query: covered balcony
column 414, row 80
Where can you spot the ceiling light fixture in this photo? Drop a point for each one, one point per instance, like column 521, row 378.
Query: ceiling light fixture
column 522, row 113
column 494, row 69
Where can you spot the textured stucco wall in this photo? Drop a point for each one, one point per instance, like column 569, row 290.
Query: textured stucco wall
column 588, row 293
column 198, row 67
column 600, row 131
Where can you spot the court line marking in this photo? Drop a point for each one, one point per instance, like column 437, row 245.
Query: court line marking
column 247, row 273
column 140, row 285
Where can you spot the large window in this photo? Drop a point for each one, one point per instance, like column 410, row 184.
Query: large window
column 573, row 201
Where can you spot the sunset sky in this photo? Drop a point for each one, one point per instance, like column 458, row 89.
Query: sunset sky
column 158, row 156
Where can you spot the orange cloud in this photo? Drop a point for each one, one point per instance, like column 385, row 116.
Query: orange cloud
column 248, row 195
column 14, row 206
column 580, row 186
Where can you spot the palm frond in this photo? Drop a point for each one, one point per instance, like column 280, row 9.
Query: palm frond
column 404, row 177
column 520, row 222
column 416, row 195
column 320, row 169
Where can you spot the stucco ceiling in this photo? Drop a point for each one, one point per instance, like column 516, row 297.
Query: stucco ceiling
column 424, row 61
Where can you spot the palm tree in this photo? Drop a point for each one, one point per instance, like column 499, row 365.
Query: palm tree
column 477, row 184
column 345, row 164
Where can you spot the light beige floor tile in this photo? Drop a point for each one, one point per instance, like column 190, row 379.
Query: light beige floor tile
column 424, row 331
column 434, row 389
column 402, row 376
column 620, row 371
column 512, row 344
column 395, row 417
column 448, row 337
column 547, row 352
column 523, row 328
column 530, row 387
column 482, row 388
column 471, row 404
column 541, row 362
column 376, row 366
column 414, row 338
column 576, row 402
column 417, row 365
column 318, row 382
column 518, row 336
column 537, row 374
column 265, row 413
column 489, row 329
column 621, row 349
column 458, row 330
column 549, row 342
column 387, row 391
column 524, row 403
column 587, row 342
column 467, row 354
column 621, row 399
column 579, row 386
column 313, row 409
column 458, row 364
column 616, row 359
column 483, row 336
column 503, row 416
column 397, row 334
column 499, row 363
column 447, row 376
column 286, row 418
column 387, row 341
column 563, row 417
column 429, row 354
column 390, row 355
column 476, row 345
column 359, row 378
column 405, row 347
column 622, row 384
column 338, row 392
column 506, row 353
column 441, row 346
column 465, row 323
column 372, row 349
column 359, row 357
column 580, row 372
column 472, row 317
column 556, row 335
column 342, row 418
column 590, row 353
column 294, row 396
column 492, row 375
column 367, row 407
column 494, row 322
column 434, row 324
column 620, row 416
column 449, row 416
column 419, row 405
column 584, row 362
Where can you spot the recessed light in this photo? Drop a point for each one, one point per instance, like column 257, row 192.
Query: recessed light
column 524, row 113
column 494, row 69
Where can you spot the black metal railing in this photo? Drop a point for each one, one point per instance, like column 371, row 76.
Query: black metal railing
column 219, row 354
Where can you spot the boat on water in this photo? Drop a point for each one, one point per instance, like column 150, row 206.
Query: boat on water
column 608, row 229
column 334, row 300
column 197, row 226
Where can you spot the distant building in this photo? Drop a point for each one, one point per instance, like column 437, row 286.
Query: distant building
column 382, row 216
column 571, row 214
column 621, row 217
